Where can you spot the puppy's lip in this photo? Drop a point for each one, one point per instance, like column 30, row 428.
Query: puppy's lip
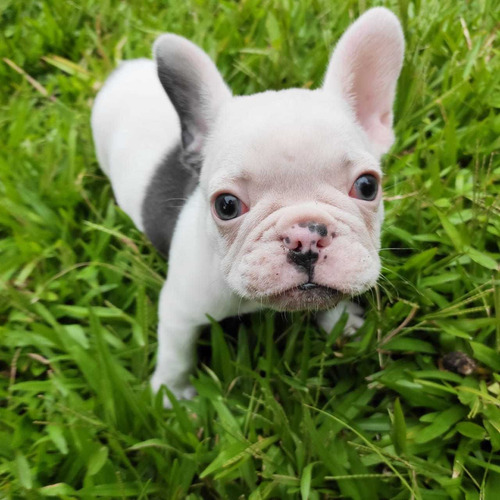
column 310, row 285
column 305, row 296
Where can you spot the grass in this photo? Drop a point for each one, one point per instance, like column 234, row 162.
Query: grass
column 283, row 411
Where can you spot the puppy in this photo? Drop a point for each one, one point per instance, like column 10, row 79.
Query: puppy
column 269, row 200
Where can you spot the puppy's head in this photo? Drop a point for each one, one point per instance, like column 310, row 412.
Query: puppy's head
column 291, row 179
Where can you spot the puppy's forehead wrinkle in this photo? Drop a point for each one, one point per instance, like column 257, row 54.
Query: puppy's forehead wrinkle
column 303, row 174
column 227, row 178
column 298, row 128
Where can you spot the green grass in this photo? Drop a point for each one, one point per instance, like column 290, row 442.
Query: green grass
column 283, row 410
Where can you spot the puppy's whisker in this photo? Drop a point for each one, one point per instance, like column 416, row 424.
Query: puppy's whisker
column 385, row 249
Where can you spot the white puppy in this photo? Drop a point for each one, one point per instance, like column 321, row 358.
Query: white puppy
column 269, row 200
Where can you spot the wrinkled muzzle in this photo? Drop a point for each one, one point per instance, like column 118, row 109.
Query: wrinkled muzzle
column 304, row 257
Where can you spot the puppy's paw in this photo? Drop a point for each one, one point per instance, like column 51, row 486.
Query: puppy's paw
column 181, row 390
column 328, row 319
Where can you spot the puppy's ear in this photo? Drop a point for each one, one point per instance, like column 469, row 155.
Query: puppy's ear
column 364, row 69
column 193, row 84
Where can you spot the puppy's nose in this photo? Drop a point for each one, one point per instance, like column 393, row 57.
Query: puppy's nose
column 307, row 236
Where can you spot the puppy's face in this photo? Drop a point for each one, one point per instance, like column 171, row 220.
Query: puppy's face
column 295, row 200
column 292, row 179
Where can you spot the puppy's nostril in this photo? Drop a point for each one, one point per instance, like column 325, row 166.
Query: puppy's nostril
column 324, row 242
column 292, row 244
column 306, row 236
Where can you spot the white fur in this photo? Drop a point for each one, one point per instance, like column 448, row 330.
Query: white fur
column 291, row 156
column 328, row 319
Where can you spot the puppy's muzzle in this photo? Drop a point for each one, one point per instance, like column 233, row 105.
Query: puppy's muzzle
column 305, row 241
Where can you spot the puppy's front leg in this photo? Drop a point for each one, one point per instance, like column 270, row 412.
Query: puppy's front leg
column 194, row 288
column 178, row 331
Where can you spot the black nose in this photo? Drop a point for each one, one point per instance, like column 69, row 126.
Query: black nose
column 303, row 261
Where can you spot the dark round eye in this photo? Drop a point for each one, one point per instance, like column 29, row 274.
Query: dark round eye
column 228, row 207
column 365, row 188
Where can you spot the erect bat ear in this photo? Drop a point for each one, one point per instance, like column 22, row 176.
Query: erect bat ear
column 364, row 69
column 193, row 84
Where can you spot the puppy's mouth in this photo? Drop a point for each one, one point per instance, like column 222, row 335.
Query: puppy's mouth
column 307, row 296
column 311, row 286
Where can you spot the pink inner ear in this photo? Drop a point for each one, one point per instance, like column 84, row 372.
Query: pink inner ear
column 371, row 83
column 372, row 92
column 380, row 132
column 365, row 67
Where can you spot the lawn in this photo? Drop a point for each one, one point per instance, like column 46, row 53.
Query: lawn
column 284, row 410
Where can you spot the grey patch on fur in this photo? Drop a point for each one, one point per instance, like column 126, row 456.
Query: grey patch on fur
column 174, row 181
column 181, row 85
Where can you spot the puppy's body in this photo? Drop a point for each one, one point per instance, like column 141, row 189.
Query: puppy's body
column 296, row 167
column 137, row 138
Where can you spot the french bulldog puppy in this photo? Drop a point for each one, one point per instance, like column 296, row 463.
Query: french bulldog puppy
column 269, row 200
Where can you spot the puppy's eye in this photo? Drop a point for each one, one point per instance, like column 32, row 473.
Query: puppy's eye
column 365, row 188
column 228, row 207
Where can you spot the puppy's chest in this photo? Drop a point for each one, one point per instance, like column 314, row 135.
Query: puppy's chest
column 173, row 182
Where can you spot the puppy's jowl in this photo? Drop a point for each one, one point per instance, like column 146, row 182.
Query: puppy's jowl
column 269, row 200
